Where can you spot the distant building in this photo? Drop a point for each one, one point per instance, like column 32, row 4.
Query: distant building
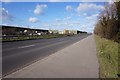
column 53, row 31
column 20, row 31
column 66, row 32
column 79, row 32
column 15, row 31
column 61, row 32
column 72, row 31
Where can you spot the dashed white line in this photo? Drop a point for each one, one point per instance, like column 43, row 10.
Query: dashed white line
column 26, row 46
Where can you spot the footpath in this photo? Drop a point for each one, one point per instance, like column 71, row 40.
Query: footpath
column 75, row 61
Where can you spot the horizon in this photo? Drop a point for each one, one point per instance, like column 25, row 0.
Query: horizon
column 37, row 28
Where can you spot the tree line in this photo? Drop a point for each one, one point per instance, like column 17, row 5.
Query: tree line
column 108, row 22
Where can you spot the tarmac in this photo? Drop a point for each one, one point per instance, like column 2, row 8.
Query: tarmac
column 78, row 60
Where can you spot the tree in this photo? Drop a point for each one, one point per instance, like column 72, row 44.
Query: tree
column 108, row 24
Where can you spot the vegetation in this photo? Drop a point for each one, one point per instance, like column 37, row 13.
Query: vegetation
column 108, row 57
column 108, row 40
column 108, row 24
column 19, row 38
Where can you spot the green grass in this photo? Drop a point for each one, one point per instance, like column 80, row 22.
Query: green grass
column 107, row 52
column 32, row 37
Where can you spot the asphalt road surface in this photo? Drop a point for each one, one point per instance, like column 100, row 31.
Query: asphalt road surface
column 16, row 55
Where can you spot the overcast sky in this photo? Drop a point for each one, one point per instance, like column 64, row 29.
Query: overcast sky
column 49, row 15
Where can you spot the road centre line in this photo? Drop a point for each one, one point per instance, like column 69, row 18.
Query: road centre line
column 26, row 46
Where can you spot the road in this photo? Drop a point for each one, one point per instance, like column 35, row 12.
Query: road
column 16, row 55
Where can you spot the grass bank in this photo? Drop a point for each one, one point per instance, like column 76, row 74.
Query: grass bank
column 20, row 38
column 107, row 52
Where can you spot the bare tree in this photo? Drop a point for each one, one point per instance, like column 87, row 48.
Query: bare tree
column 109, row 22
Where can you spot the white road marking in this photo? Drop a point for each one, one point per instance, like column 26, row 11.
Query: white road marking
column 26, row 46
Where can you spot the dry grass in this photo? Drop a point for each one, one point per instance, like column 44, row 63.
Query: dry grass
column 108, row 57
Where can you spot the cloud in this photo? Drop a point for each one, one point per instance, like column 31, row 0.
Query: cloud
column 5, row 0
column 74, row 24
column 64, row 19
column 87, row 7
column 56, row 0
column 92, row 17
column 46, row 25
column 84, row 14
column 39, row 10
column 68, row 18
column 96, row 0
column 58, row 20
column 5, row 14
column 33, row 19
column 66, row 24
column 69, row 8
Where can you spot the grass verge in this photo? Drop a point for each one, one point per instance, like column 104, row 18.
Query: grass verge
column 107, row 52
column 21, row 38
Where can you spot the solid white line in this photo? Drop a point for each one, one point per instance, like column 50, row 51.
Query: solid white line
column 26, row 46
